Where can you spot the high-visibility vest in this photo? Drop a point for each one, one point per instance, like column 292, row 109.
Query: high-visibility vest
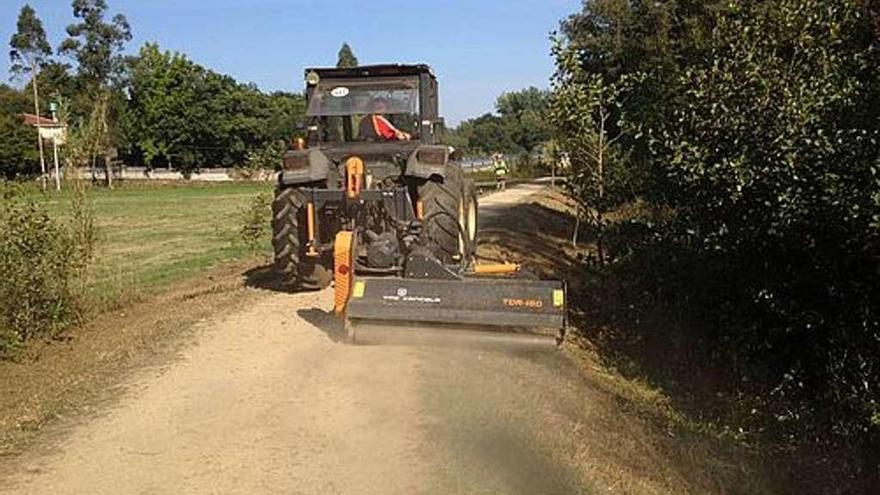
column 501, row 168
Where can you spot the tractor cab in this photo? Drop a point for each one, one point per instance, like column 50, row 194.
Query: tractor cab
column 386, row 115
column 343, row 105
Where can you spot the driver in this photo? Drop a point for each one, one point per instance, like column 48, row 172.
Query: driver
column 377, row 127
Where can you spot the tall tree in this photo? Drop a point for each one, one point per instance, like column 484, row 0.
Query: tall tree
column 164, row 104
column 585, row 112
column 17, row 153
column 486, row 134
column 520, row 126
column 96, row 44
column 185, row 115
column 524, row 113
column 346, row 58
column 29, row 51
column 57, row 82
column 616, row 38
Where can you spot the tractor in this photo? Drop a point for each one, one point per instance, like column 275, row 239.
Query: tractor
column 372, row 202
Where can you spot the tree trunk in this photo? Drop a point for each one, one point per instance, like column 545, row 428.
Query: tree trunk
column 600, row 247
column 55, row 159
column 104, row 138
column 109, row 170
column 600, row 238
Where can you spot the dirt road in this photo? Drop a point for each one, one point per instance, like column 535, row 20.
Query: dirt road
column 267, row 401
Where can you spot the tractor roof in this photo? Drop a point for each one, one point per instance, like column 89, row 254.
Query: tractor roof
column 385, row 70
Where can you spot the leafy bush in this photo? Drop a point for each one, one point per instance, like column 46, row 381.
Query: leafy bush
column 255, row 216
column 772, row 166
column 260, row 160
column 18, row 155
column 42, row 265
column 763, row 146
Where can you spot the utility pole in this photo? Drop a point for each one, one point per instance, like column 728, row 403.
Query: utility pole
column 53, row 107
column 35, row 72
column 57, row 173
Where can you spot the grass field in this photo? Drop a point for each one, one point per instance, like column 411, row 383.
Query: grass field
column 153, row 235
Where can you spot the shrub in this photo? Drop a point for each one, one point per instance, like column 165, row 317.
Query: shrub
column 761, row 141
column 771, row 164
column 254, row 230
column 42, row 265
column 259, row 160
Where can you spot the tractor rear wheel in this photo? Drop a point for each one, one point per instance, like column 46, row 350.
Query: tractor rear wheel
column 289, row 244
column 471, row 217
column 443, row 208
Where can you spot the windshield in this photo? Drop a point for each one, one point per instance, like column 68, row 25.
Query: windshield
column 393, row 95
column 343, row 107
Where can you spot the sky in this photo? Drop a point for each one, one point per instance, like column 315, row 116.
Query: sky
column 477, row 48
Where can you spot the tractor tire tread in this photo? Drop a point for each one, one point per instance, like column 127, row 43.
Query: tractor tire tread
column 441, row 200
column 299, row 271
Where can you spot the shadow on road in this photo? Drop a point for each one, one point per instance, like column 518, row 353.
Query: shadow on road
column 325, row 321
column 265, row 278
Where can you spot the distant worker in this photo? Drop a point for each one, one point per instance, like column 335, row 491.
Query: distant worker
column 376, row 127
column 501, row 171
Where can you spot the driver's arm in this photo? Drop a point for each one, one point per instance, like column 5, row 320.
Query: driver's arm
column 386, row 130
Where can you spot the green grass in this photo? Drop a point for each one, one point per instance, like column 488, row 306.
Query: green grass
column 519, row 173
column 151, row 236
column 481, row 176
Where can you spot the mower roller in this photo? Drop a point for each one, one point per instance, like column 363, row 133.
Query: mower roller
column 372, row 203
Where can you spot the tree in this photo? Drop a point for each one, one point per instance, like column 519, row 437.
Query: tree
column 164, row 99
column 185, row 115
column 762, row 212
column 487, row 134
column 586, row 113
column 346, row 58
column 57, row 82
column 97, row 45
column 18, row 156
column 287, row 112
column 516, row 103
column 620, row 38
column 773, row 163
column 617, row 37
column 29, row 52
column 524, row 113
column 520, row 126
